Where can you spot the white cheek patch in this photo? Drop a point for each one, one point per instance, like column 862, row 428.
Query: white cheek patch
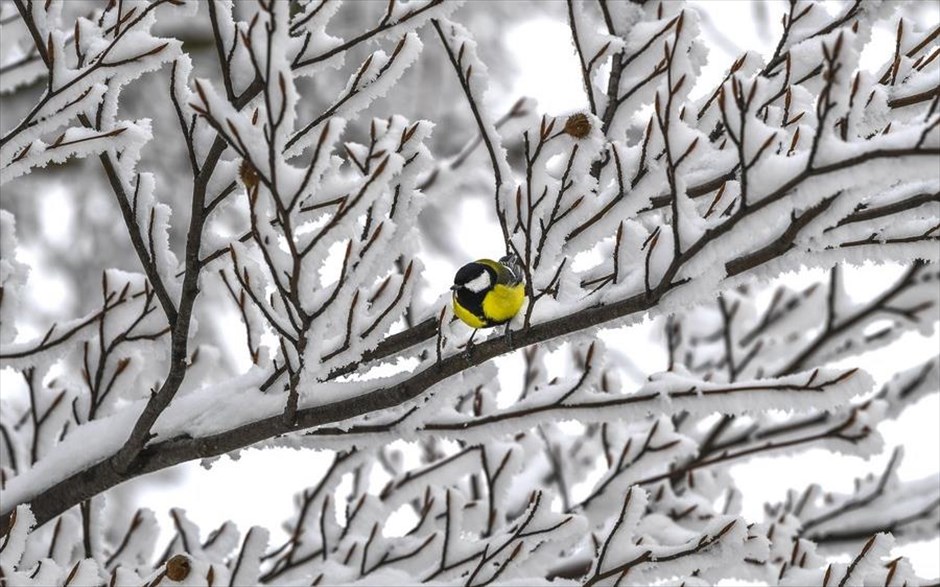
column 479, row 283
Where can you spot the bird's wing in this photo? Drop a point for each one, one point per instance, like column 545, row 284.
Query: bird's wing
column 505, row 274
column 514, row 266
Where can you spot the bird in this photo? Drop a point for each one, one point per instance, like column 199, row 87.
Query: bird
column 488, row 293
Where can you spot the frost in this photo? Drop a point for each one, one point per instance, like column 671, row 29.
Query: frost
column 20, row 524
column 12, row 277
column 375, row 77
column 286, row 224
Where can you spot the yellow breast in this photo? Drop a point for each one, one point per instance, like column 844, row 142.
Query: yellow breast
column 503, row 302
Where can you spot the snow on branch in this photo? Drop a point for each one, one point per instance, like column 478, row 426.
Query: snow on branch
column 271, row 171
column 879, row 503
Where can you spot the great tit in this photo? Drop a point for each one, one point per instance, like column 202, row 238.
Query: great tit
column 488, row 293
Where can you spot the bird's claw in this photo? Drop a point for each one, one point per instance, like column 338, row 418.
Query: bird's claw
column 468, row 348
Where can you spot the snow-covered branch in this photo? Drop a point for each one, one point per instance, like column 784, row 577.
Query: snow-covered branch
column 282, row 178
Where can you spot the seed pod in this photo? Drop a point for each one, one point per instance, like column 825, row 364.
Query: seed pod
column 178, row 567
column 248, row 174
column 578, row 125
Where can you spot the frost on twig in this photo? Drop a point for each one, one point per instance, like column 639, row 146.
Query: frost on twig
column 275, row 184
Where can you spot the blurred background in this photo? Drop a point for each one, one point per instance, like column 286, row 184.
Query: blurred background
column 69, row 229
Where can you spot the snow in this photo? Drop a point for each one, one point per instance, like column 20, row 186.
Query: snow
column 373, row 80
column 79, row 90
column 457, row 37
column 363, row 265
column 907, row 387
column 249, row 560
column 871, row 560
column 84, row 446
column 13, row 275
column 15, row 542
column 312, row 21
column 76, row 142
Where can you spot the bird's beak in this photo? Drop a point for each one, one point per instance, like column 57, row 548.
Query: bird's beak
column 454, row 287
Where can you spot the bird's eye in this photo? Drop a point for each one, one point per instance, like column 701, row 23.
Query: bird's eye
column 466, row 274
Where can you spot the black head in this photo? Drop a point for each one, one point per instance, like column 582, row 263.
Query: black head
column 474, row 277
